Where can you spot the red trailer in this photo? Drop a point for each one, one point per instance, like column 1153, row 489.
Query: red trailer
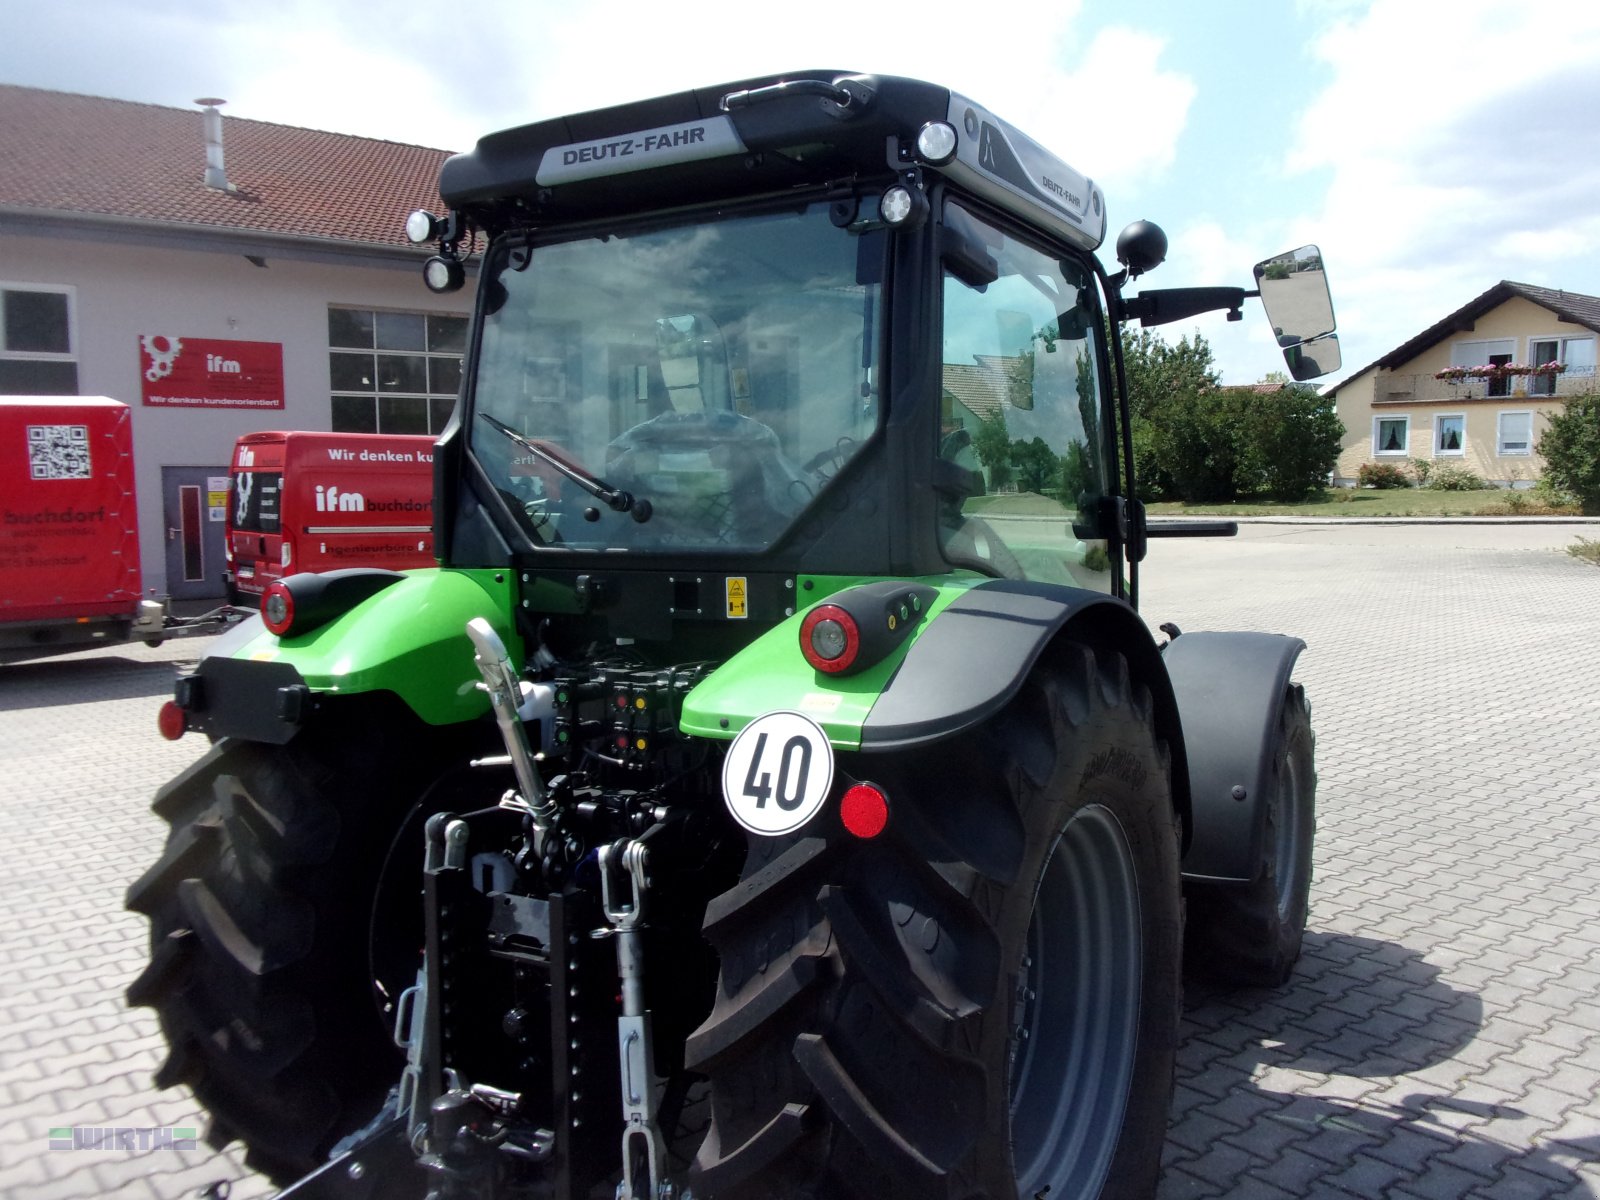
column 69, row 532
column 69, row 528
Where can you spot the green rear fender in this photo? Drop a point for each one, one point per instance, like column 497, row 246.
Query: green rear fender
column 771, row 675
column 409, row 639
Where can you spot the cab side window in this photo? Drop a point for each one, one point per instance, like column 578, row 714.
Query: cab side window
column 1019, row 410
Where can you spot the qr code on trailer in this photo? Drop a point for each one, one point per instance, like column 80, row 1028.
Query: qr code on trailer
column 59, row 452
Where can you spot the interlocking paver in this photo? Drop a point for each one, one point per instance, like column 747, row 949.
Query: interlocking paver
column 1439, row 1040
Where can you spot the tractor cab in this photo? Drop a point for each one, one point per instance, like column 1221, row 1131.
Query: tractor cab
column 838, row 325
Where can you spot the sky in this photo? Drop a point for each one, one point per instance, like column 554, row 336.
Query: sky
column 1430, row 150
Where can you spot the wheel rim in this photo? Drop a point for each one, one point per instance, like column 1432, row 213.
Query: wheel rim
column 1290, row 826
column 1077, row 1028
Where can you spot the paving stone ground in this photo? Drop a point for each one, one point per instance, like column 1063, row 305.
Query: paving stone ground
column 1440, row 1039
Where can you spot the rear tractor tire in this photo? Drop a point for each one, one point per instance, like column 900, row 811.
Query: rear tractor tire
column 983, row 1001
column 261, row 927
column 1249, row 935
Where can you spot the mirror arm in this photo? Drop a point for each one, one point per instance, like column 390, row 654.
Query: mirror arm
column 1165, row 305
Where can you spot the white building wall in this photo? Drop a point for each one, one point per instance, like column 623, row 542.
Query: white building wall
column 124, row 291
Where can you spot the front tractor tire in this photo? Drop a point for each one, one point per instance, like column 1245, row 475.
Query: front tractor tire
column 261, row 919
column 1249, row 934
column 981, row 1002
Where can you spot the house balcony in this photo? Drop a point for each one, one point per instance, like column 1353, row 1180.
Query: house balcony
column 1425, row 389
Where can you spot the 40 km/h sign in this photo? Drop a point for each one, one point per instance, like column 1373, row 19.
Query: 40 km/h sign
column 777, row 773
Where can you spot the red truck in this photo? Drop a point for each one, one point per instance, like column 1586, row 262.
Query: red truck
column 304, row 501
column 69, row 528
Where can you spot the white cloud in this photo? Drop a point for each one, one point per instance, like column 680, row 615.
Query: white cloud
column 1120, row 67
column 378, row 69
column 1041, row 74
column 1461, row 148
column 382, row 70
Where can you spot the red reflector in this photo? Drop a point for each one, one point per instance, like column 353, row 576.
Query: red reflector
column 864, row 810
column 171, row 721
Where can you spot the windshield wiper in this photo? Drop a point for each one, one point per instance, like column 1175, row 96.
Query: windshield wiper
column 615, row 499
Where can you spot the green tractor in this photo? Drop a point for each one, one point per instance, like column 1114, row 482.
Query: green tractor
column 775, row 791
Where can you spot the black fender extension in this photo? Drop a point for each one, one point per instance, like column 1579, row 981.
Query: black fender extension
column 974, row 656
column 1229, row 688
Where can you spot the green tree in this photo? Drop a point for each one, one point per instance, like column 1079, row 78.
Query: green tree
column 1080, row 481
column 1571, row 450
column 1158, row 370
column 1289, row 442
column 1163, row 379
column 1037, row 466
column 1197, row 439
column 1194, row 439
column 991, row 442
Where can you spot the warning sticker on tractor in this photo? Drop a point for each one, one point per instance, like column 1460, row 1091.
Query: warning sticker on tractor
column 777, row 774
column 738, row 607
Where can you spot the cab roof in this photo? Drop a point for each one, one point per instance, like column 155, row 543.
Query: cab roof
column 760, row 136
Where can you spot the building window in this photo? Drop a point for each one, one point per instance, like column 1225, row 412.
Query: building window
column 1450, row 434
column 1576, row 352
column 1391, row 435
column 1514, row 435
column 1495, row 353
column 394, row 372
column 38, row 353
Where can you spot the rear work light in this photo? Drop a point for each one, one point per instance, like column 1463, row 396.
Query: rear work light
column 862, row 625
column 277, row 608
column 830, row 639
column 298, row 604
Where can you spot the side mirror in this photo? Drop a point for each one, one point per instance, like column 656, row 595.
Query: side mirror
column 1308, row 360
column 1294, row 291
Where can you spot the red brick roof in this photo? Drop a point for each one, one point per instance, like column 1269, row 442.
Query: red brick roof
column 82, row 154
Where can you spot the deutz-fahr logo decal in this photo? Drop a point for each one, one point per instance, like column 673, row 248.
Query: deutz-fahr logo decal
column 690, row 142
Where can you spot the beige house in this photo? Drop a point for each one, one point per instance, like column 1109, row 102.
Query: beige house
column 1475, row 388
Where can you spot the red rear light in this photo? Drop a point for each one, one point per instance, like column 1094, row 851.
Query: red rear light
column 864, row 810
column 830, row 638
column 277, row 608
column 171, row 721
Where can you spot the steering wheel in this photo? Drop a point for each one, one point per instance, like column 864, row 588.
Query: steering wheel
column 826, row 462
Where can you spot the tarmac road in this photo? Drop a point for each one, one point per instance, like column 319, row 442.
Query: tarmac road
column 1440, row 1039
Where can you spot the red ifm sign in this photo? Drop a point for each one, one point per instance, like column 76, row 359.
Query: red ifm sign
column 208, row 373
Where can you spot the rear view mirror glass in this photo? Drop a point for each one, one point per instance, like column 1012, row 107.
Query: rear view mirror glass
column 1294, row 291
column 1308, row 360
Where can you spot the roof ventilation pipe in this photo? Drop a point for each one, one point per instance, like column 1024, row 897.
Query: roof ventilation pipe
column 211, row 124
